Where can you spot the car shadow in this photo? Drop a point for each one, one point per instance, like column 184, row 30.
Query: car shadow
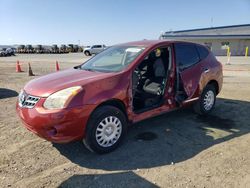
column 167, row 139
column 114, row 180
column 7, row 93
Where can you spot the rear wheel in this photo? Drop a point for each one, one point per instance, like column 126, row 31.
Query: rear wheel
column 206, row 102
column 105, row 130
column 87, row 53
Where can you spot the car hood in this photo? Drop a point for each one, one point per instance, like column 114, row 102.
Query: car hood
column 51, row 83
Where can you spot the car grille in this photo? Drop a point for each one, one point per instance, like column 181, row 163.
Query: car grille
column 27, row 101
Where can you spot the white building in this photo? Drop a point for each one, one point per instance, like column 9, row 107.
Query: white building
column 218, row 39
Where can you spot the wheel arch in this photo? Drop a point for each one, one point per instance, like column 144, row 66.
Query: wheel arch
column 115, row 103
column 87, row 51
column 215, row 84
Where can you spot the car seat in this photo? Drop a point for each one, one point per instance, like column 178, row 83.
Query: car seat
column 153, row 85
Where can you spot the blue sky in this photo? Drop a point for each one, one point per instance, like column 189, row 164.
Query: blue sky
column 111, row 21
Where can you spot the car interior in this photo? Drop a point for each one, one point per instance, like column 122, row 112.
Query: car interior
column 150, row 78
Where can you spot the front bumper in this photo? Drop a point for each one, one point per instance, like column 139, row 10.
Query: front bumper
column 59, row 126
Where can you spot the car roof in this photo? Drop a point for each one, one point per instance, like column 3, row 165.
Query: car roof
column 145, row 43
column 150, row 43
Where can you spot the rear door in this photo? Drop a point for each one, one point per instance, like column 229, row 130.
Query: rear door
column 189, row 67
column 97, row 49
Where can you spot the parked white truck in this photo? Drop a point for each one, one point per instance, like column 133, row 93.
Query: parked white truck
column 95, row 49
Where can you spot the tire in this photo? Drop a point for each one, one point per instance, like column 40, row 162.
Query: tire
column 87, row 53
column 105, row 130
column 207, row 100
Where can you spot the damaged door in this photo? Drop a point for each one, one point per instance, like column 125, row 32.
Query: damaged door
column 189, row 70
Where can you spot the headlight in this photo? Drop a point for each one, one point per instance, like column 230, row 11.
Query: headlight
column 61, row 98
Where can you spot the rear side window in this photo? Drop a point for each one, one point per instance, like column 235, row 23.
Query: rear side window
column 97, row 46
column 203, row 52
column 186, row 55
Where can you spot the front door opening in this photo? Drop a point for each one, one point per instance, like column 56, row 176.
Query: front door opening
column 149, row 80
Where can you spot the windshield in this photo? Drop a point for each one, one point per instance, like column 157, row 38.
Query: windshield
column 113, row 59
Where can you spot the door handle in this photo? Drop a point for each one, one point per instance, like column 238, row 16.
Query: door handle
column 206, row 70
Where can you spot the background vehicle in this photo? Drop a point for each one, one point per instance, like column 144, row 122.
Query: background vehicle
column 63, row 49
column 21, row 49
column 54, row 49
column 95, row 49
column 6, row 52
column 10, row 51
column 48, row 49
column 28, row 49
column 2, row 52
column 38, row 49
column 73, row 48
column 124, row 84
column 80, row 49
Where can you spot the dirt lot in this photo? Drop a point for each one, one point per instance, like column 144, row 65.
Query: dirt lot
column 185, row 150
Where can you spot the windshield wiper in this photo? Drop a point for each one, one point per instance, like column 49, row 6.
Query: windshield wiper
column 97, row 70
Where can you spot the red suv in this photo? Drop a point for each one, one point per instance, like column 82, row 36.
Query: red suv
column 124, row 84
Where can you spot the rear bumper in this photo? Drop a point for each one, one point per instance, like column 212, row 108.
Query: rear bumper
column 59, row 126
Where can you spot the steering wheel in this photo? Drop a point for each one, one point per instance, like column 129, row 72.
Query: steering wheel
column 138, row 73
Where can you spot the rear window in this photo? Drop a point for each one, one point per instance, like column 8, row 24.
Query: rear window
column 186, row 55
column 203, row 52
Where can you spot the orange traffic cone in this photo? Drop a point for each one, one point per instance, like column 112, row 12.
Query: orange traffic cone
column 57, row 66
column 30, row 71
column 18, row 67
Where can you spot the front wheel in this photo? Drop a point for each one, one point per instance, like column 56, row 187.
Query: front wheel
column 206, row 102
column 105, row 130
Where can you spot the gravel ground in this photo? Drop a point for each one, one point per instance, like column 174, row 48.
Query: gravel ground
column 178, row 149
